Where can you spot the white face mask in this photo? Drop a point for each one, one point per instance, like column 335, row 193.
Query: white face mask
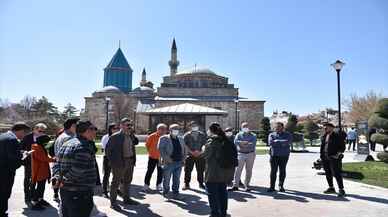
column 174, row 132
column 229, row 134
column 195, row 129
column 245, row 130
column 209, row 134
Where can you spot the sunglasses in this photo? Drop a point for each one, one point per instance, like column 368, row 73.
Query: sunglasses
column 40, row 131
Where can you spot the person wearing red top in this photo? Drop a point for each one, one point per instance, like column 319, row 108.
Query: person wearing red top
column 40, row 170
column 154, row 157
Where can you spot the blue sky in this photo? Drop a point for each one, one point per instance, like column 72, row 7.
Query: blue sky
column 278, row 51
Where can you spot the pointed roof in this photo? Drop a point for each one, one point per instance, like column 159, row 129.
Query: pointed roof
column 119, row 61
column 143, row 72
column 173, row 44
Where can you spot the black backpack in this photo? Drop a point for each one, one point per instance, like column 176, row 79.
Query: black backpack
column 227, row 156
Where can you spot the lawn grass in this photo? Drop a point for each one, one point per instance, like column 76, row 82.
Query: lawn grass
column 373, row 173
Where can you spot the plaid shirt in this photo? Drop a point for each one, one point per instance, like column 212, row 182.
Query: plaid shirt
column 75, row 165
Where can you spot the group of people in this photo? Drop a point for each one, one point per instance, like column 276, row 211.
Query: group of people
column 218, row 155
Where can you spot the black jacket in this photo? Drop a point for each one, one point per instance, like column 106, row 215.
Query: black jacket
column 10, row 155
column 114, row 149
column 26, row 144
column 336, row 144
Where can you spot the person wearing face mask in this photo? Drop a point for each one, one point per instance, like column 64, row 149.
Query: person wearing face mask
column 194, row 140
column 173, row 152
column 229, row 134
column 246, row 147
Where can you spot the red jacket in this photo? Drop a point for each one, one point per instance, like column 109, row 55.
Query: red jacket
column 40, row 163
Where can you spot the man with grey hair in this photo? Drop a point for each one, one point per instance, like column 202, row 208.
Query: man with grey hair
column 173, row 153
column 26, row 144
column 246, row 147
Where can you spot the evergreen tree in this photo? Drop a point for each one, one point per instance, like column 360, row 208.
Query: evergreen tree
column 265, row 129
column 311, row 131
column 379, row 120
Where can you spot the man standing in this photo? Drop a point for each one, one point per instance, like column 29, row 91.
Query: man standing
column 154, row 157
column 246, row 147
column 172, row 152
column 10, row 160
column 26, row 144
column 121, row 153
column 76, row 172
column 194, row 140
column 352, row 138
column 113, row 128
column 280, row 142
column 332, row 148
column 69, row 132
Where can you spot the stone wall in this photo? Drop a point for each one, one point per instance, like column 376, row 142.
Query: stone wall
column 190, row 92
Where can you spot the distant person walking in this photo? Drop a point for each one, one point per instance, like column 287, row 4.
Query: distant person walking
column 26, row 144
column 40, row 171
column 10, row 160
column 370, row 133
column 121, row 153
column 246, row 146
column 332, row 148
column 113, row 128
column 352, row 138
column 217, row 174
column 194, row 140
column 280, row 143
column 76, row 173
column 154, row 158
column 173, row 152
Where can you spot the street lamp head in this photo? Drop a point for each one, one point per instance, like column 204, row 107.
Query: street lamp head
column 107, row 99
column 338, row 65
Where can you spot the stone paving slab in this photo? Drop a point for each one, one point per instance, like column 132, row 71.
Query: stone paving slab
column 303, row 196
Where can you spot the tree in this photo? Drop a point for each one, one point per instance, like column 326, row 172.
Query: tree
column 265, row 129
column 292, row 122
column 379, row 120
column 311, row 131
column 120, row 107
column 361, row 107
column 44, row 108
column 27, row 103
column 68, row 112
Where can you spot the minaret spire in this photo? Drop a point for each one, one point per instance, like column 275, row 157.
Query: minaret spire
column 174, row 63
column 143, row 75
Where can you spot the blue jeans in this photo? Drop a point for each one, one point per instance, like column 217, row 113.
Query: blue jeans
column 173, row 169
column 218, row 198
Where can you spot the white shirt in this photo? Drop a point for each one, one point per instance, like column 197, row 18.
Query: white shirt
column 104, row 141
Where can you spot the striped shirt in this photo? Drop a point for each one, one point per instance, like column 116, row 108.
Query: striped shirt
column 76, row 165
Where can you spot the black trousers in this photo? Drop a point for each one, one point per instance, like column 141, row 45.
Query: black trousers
column 27, row 182
column 107, row 169
column 278, row 162
column 38, row 190
column 350, row 141
column 76, row 203
column 333, row 167
column 152, row 163
column 7, row 180
column 218, row 198
column 199, row 163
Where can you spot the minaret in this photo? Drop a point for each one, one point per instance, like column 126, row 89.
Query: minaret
column 174, row 63
column 143, row 76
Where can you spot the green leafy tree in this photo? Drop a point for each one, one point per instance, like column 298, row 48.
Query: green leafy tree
column 310, row 131
column 379, row 120
column 265, row 129
column 292, row 122
column 46, row 109
column 68, row 112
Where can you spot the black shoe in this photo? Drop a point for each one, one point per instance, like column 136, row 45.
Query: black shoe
column 202, row 186
column 341, row 193
column 186, row 187
column 105, row 194
column 44, row 203
column 115, row 207
column 131, row 202
column 241, row 185
column 233, row 189
column 56, row 198
column 270, row 190
column 281, row 189
column 37, row 207
column 330, row 190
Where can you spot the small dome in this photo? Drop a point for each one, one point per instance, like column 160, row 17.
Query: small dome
column 143, row 88
column 109, row 89
column 196, row 70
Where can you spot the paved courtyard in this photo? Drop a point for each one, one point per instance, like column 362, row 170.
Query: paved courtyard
column 303, row 196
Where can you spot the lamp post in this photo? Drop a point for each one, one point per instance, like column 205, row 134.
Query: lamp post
column 338, row 67
column 237, row 111
column 107, row 100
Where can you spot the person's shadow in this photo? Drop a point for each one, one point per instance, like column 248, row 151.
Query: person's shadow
column 142, row 210
column 240, row 196
column 192, row 203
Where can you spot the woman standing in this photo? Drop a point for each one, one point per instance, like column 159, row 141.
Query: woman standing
column 40, row 170
column 217, row 173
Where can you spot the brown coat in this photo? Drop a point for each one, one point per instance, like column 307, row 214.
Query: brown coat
column 40, row 163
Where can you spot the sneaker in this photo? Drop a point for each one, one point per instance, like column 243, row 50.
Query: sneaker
column 115, row 207
column 341, row 193
column 44, row 203
column 159, row 187
column 202, row 186
column 130, row 202
column 281, row 189
column 186, row 187
column 146, row 188
column 37, row 207
column 270, row 190
column 330, row 190
column 233, row 189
